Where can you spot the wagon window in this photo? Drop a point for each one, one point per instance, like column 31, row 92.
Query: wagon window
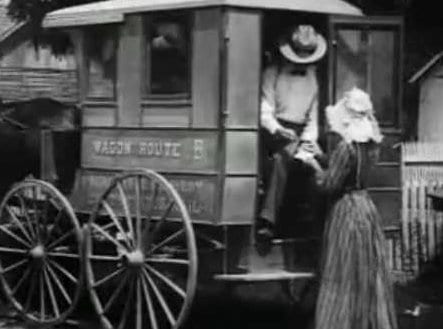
column 101, row 48
column 366, row 59
column 168, row 54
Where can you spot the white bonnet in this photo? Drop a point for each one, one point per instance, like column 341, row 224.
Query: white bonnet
column 353, row 117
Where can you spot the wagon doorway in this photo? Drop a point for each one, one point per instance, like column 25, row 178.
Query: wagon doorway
column 366, row 52
column 363, row 52
column 299, row 212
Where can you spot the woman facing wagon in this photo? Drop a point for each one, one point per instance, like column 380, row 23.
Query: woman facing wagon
column 355, row 289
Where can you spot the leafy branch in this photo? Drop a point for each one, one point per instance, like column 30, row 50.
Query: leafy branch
column 33, row 12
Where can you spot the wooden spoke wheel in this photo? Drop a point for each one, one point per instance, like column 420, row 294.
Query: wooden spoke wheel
column 40, row 252
column 141, row 259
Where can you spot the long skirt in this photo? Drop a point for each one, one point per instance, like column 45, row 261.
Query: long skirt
column 355, row 289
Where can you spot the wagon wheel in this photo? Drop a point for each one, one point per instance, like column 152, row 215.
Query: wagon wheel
column 40, row 252
column 141, row 254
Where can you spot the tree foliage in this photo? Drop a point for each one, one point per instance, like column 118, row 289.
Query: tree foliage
column 33, row 12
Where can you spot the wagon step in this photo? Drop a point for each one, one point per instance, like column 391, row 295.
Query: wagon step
column 280, row 241
column 277, row 275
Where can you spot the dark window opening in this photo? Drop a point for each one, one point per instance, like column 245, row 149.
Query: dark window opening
column 168, row 45
column 367, row 59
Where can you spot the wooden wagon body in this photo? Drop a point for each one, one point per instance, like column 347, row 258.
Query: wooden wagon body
column 169, row 167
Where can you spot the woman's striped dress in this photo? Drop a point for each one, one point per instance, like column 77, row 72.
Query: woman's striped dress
column 355, row 289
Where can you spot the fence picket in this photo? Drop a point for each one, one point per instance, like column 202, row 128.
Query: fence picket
column 421, row 225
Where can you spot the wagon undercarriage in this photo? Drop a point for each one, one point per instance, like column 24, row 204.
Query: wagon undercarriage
column 138, row 260
column 135, row 255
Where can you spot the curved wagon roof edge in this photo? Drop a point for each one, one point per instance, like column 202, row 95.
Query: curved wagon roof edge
column 113, row 11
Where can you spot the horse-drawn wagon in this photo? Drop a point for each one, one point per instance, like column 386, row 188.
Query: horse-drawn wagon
column 169, row 157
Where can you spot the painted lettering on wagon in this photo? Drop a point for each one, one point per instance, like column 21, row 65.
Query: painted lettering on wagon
column 151, row 148
column 198, row 194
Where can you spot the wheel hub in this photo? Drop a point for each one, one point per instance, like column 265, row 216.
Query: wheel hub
column 38, row 252
column 135, row 258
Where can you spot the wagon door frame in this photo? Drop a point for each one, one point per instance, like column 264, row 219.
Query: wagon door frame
column 368, row 51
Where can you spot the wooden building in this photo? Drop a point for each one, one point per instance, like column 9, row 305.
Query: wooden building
column 29, row 71
column 430, row 115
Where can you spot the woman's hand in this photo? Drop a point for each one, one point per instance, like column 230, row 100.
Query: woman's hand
column 311, row 161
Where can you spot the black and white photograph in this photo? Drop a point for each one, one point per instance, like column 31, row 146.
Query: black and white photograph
column 221, row 164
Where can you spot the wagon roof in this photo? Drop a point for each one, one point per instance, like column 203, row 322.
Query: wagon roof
column 113, row 11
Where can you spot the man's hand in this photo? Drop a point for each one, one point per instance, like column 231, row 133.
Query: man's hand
column 286, row 133
column 310, row 147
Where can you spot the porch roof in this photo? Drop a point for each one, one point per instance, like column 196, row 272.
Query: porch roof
column 113, row 11
column 425, row 69
column 7, row 25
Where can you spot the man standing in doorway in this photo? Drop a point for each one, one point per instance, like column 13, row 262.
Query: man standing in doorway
column 289, row 112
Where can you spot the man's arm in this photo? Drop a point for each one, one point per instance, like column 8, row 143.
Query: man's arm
column 267, row 104
column 267, row 117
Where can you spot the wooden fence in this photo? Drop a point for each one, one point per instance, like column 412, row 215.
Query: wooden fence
column 25, row 83
column 421, row 225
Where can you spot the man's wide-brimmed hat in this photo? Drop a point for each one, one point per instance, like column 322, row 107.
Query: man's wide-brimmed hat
column 303, row 45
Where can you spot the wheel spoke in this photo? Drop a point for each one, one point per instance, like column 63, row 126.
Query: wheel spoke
column 107, row 226
column 13, row 250
column 160, row 299
column 34, row 206
column 151, row 310
column 26, row 215
column 57, row 281
column 19, row 223
column 159, row 224
column 105, row 258
column 167, row 210
column 125, row 204
column 64, row 271
column 125, row 314
column 151, row 207
column 108, row 277
column 22, row 279
column 59, row 240
column 138, row 312
column 44, row 216
column 14, row 266
column 54, row 225
column 30, row 294
column 174, row 261
column 166, row 241
column 63, row 254
column 14, row 236
column 167, row 281
column 138, row 217
column 109, row 237
column 116, row 222
column 42, row 297
column 52, row 298
column 116, row 292
column 154, row 198
column 56, row 206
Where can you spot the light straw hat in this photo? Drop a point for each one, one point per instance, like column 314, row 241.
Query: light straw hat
column 303, row 45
